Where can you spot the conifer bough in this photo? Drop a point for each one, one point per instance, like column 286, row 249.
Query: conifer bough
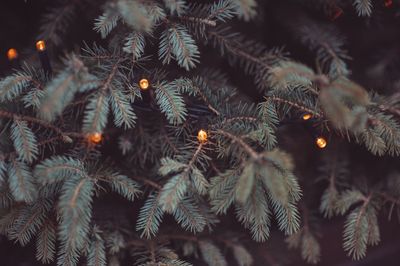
column 94, row 148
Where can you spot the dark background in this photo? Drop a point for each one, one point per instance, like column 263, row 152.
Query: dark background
column 371, row 43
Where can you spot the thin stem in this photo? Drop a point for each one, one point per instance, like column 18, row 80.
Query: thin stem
column 250, row 151
column 296, row 105
column 30, row 119
column 147, row 181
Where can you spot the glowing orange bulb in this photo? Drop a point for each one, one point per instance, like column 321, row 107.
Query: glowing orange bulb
column 144, row 84
column 321, row 142
column 12, row 54
column 202, row 136
column 40, row 45
column 95, row 138
column 307, row 117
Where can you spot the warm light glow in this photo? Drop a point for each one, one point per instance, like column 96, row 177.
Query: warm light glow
column 202, row 136
column 388, row 3
column 95, row 138
column 12, row 54
column 337, row 13
column 307, row 116
column 144, row 84
column 321, row 142
column 41, row 45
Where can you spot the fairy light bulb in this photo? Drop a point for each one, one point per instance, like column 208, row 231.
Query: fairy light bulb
column 321, row 142
column 337, row 12
column 95, row 138
column 40, row 45
column 307, row 117
column 388, row 3
column 144, row 84
column 12, row 54
column 202, row 136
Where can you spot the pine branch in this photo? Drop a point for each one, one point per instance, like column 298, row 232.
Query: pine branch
column 242, row 255
column 13, row 86
column 355, row 234
column 255, row 214
column 246, row 9
column 140, row 16
column 194, row 87
column 29, row 221
column 363, row 7
column 347, row 199
column 296, row 105
column 58, row 168
column 135, row 44
column 21, row 182
column 177, row 42
column 150, row 216
column 24, row 140
column 106, row 22
column 176, row 187
column 3, row 170
column 124, row 186
column 75, row 209
column 122, row 109
column 177, row 7
column 61, row 90
column 173, row 192
column 211, row 254
column 188, row 215
column 97, row 252
column 328, row 45
column 222, row 192
column 55, row 22
column 42, row 123
column 96, row 113
column 170, row 102
column 250, row 151
column 222, row 10
column 287, row 216
column 46, row 243
column 238, row 47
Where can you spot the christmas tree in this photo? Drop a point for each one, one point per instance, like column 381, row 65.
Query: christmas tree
column 189, row 132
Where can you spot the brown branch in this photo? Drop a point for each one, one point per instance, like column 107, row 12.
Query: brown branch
column 238, row 51
column 204, row 98
column 147, row 181
column 388, row 198
column 391, row 110
column 192, row 161
column 240, row 141
column 12, row 154
column 296, row 105
column 239, row 118
column 103, row 89
column 362, row 211
column 30, row 119
column 205, row 21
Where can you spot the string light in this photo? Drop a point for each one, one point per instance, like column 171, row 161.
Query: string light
column 144, row 84
column 337, row 12
column 12, row 54
column 321, row 142
column 40, row 45
column 307, row 117
column 202, row 136
column 95, row 138
column 43, row 56
column 388, row 3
